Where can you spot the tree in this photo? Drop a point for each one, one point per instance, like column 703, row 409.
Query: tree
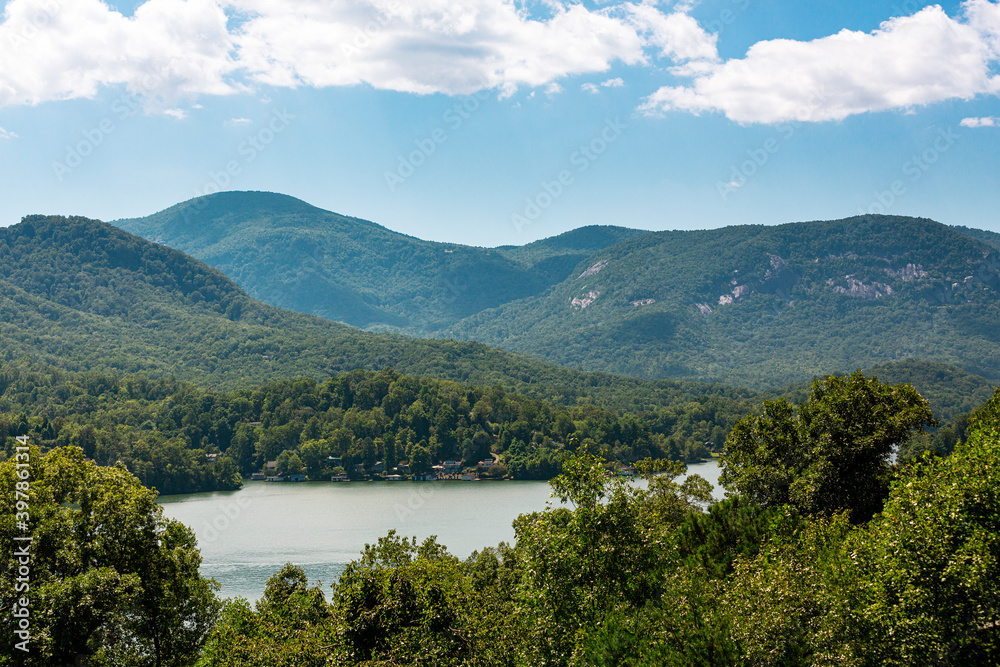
column 832, row 454
column 420, row 460
column 401, row 604
column 110, row 577
column 289, row 463
column 290, row 627
column 601, row 562
column 931, row 561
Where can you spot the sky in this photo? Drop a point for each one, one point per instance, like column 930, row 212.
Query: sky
column 493, row 122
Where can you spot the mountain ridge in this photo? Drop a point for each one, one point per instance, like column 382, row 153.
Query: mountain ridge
column 82, row 295
column 698, row 304
column 294, row 255
column 793, row 301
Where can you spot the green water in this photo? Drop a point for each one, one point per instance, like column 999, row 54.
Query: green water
column 246, row 535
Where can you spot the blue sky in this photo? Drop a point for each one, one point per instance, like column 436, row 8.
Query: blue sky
column 489, row 122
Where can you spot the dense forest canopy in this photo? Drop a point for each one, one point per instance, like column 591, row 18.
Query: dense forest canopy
column 180, row 438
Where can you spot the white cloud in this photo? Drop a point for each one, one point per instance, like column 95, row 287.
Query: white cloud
column 240, row 121
column 677, row 35
column 616, row 82
column 553, row 89
column 909, row 61
column 169, row 50
column 7, row 134
column 430, row 46
column 172, row 51
column 986, row 121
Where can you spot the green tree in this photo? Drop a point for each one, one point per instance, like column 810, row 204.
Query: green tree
column 832, row 453
column 401, row 604
column 110, row 577
column 289, row 463
column 599, row 563
column 420, row 460
column 930, row 563
column 291, row 626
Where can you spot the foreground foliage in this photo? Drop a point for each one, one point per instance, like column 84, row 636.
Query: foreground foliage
column 628, row 576
column 110, row 579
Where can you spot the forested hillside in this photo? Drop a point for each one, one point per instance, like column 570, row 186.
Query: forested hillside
column 764, row 306
column 757, row 306
column 180, row 438
column 164, row 431
column 83, row 295
column 293, row 255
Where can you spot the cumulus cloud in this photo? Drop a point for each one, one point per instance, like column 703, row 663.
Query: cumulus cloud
column 7, row 134
column 431, row 46
column 908, row 62
column 986, row 121
column 616, row 82
column 172, row 50
column 169, row 50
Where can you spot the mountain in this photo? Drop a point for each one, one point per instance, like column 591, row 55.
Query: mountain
column 765, row 306
column 83, row 295
column 950, row 391
column 992, row 238
column 293, row 255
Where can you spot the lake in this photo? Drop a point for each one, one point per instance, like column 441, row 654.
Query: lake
column 246, row 535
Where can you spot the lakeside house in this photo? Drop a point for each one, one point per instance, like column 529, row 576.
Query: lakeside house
column 425, row 477
column 258, row 477
column 468, row 477
column 452, row 467
column 394, row 478
column 274, row 478
column 296, row 478
column 342, row 477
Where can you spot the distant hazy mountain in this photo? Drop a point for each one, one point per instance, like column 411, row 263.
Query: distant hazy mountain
column 758, row 306
column 762, row 306
column 293, row 255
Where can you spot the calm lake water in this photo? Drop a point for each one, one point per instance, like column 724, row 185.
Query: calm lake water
column 246, row 535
